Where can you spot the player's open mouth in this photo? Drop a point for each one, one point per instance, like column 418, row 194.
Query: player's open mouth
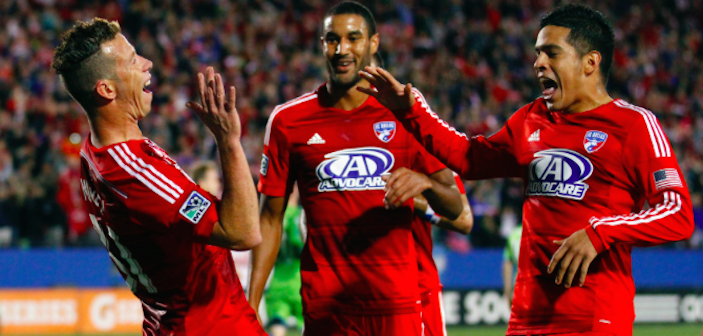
column 144, row 88
column 549, row 87
column 343, row 65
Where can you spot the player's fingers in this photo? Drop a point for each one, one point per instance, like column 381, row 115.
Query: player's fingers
column 564, row 266
column 386, row 76
column 556, row 257
column 368, row 75
column 195, row 107
column 398, row 188
column 369, row 91
column 573, row 268
column 232, row 100
column 202, row 88
column 584, row 270
column 220, row 92
column 408, row 90
column 212, row 104
column 210, row 76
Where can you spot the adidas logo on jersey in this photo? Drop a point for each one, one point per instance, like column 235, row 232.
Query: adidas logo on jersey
column 316, row 140
column 534, row 136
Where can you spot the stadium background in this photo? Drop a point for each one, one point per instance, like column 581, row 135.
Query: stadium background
column 471, row 59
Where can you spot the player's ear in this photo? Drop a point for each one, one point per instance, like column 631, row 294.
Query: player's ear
column 374, row 41
column 591, row 62
column 106, row 89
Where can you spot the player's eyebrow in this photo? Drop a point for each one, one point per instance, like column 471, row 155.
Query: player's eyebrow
column 548, row 47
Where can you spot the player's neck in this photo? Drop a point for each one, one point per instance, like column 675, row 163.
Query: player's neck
column 346, row 98
column 111, row 127
column 590, row 100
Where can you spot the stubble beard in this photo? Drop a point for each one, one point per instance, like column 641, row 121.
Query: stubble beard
column 339, row 83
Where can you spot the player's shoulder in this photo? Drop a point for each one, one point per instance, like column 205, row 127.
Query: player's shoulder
column 295, row 107
column 141, row 164
column 287, row 112
column 631, row 114
column 535, row 107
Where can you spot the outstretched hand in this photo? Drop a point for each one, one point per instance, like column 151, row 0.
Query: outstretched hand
column 387, row 90
column 575, row 253
column 216, row 110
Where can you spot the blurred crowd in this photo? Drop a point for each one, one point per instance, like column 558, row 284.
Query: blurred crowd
column 472, row 59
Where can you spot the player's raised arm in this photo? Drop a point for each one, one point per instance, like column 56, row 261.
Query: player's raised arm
column 473, row 158
column 263, row 257
column 238, row 225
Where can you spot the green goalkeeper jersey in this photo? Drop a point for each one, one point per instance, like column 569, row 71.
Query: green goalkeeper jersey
column 286, row 274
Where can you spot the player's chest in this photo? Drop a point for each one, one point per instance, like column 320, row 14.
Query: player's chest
column 563, row 158
column 351, row 147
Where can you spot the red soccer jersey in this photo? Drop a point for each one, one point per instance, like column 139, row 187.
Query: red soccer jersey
column 422, row 232
column 155, row 223
column 359, row 257
column 592, row 170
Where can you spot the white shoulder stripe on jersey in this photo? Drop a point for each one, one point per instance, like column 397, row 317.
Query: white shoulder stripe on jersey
column 139, row 177
column 146, row 173
column 100, row 176
column 670, row 206
column 152, row 169
column 656, row 135
column 279, row 108
column 663, row 144
column 420, row 98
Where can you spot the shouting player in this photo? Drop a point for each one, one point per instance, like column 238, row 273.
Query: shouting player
column 589, row 163
column 169, row 238
column 358, row 266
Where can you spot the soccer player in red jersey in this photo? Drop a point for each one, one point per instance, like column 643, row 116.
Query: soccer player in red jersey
column 589, row 162
column 358, row 267
column 168, row 237
column 430, row 286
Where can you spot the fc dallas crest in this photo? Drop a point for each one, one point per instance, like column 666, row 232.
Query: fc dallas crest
column 594, row 140
column 385, row 130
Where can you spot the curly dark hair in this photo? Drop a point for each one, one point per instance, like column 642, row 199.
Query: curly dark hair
column 589, row 31
column 79, row 60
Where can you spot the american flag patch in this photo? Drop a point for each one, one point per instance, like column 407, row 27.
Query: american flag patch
column 667, row 178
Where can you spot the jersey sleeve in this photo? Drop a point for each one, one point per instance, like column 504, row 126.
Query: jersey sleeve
column 161, row 197
column 652, row 167
column 473, row 158
column 423, row 161
column 275, row 160
column 459, row 183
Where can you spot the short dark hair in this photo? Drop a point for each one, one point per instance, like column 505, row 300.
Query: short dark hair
column 353, row 7
column 589, row 31
column 79, row 60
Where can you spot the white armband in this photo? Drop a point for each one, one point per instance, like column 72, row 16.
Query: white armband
column 431, row 216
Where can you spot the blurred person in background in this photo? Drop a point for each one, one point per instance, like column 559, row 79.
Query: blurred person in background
column 511, row 255
column 207, row 176
column 283, row 302
column 583, row 211
column 169, row 238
